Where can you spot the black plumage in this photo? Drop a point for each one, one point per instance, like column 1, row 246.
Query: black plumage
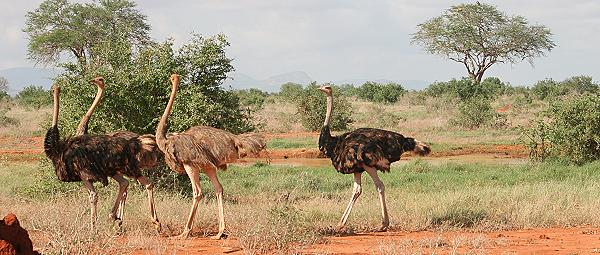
column 378, row 148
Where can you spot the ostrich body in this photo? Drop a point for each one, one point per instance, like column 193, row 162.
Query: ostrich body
column 365, row 150
column 202, row 148
column 91, row 158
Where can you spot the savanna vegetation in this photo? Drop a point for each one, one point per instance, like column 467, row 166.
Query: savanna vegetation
column 556, row 122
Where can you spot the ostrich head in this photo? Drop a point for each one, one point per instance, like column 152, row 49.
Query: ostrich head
column 174, row 79
column 421, row 148
column 326, row 89
column 98, row 81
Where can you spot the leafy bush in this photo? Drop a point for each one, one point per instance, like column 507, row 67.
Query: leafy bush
column 346, row 90
column 312, row 108
column 466, row 89
column 476, row 113
column 578, row 85
column 137, row 89
column 380, row 93
column 546, row 88
column 34, row 97
column 568, row 130
column 253, row 98
column 290, row 91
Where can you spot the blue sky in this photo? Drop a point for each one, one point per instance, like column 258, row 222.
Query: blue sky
column 337, row 40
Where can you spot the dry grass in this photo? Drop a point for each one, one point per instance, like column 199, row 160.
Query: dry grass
column 29, row 121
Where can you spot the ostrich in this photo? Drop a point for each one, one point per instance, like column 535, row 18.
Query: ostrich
column 202, row 148
column 147, row 157
column 91, row 158
column 364, row 150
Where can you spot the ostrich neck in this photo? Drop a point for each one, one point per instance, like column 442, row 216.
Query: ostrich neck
column 83, row 125
column 161, row 130
column 329, row 109
column 55, row 107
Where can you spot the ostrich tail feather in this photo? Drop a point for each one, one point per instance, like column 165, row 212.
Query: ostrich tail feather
column 250, row 143
column 51, row 142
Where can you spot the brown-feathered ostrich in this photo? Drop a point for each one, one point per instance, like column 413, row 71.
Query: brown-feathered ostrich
column 147, row 157
column 91, row 158
column 202, row 148
column 365, row 150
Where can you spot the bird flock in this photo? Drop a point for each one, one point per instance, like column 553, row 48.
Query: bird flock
column 90, row 158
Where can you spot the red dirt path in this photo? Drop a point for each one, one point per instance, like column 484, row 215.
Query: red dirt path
column 578, row 240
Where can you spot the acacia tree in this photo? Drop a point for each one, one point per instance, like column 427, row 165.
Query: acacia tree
column 479, row 36
column 59, row 28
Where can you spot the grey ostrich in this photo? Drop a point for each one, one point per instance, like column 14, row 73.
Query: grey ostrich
column 365, row 150
column 202, row 148
column 147, row 157
column 91, row 158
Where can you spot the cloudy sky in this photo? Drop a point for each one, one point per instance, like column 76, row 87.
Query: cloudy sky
column 342, row 39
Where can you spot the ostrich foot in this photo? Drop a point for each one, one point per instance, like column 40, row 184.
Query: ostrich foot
column 383, row 228
column 184, row 235
column 219, row 235
column 157, row 226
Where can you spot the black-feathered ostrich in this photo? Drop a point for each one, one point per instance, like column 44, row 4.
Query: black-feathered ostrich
column 365, row 150
column 147, row 157
column 91, row 158
column 206, row 149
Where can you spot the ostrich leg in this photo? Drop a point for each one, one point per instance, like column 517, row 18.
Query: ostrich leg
column 355, row 194
column 211, row 172
column 116, row 213
column 381, row 190
column 150, row 188
column 195, row 180
column 93, row 202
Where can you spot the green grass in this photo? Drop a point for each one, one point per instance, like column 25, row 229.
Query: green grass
column 292, row 143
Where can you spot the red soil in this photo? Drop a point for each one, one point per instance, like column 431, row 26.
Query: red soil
column 13, row 238
column 578, row 240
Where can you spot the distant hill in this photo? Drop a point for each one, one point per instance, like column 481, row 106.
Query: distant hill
column 21, row 77
column 243, row 81
column 407, row 84
column 272, row 84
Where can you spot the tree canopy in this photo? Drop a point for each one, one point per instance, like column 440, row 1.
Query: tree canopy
column 58, row 28
column 479, row 36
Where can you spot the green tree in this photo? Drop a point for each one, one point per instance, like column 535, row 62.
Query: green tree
column 34, row 97
column 380, row 93
column 290, row 91
column 253, row 98
column 479, row 36
column 137, row 91
column 83, row 31
column 312, row 108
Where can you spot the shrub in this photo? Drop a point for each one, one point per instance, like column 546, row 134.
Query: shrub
column 312, row 108
column 476, row 113
column 578, row 85
column 380, row 93
column 137, row 89
column 347, row 90
column 568, row 130
column 34, row 97
column 546, row 88
column 290, row 91
column 465, row 88
column 252, row 98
